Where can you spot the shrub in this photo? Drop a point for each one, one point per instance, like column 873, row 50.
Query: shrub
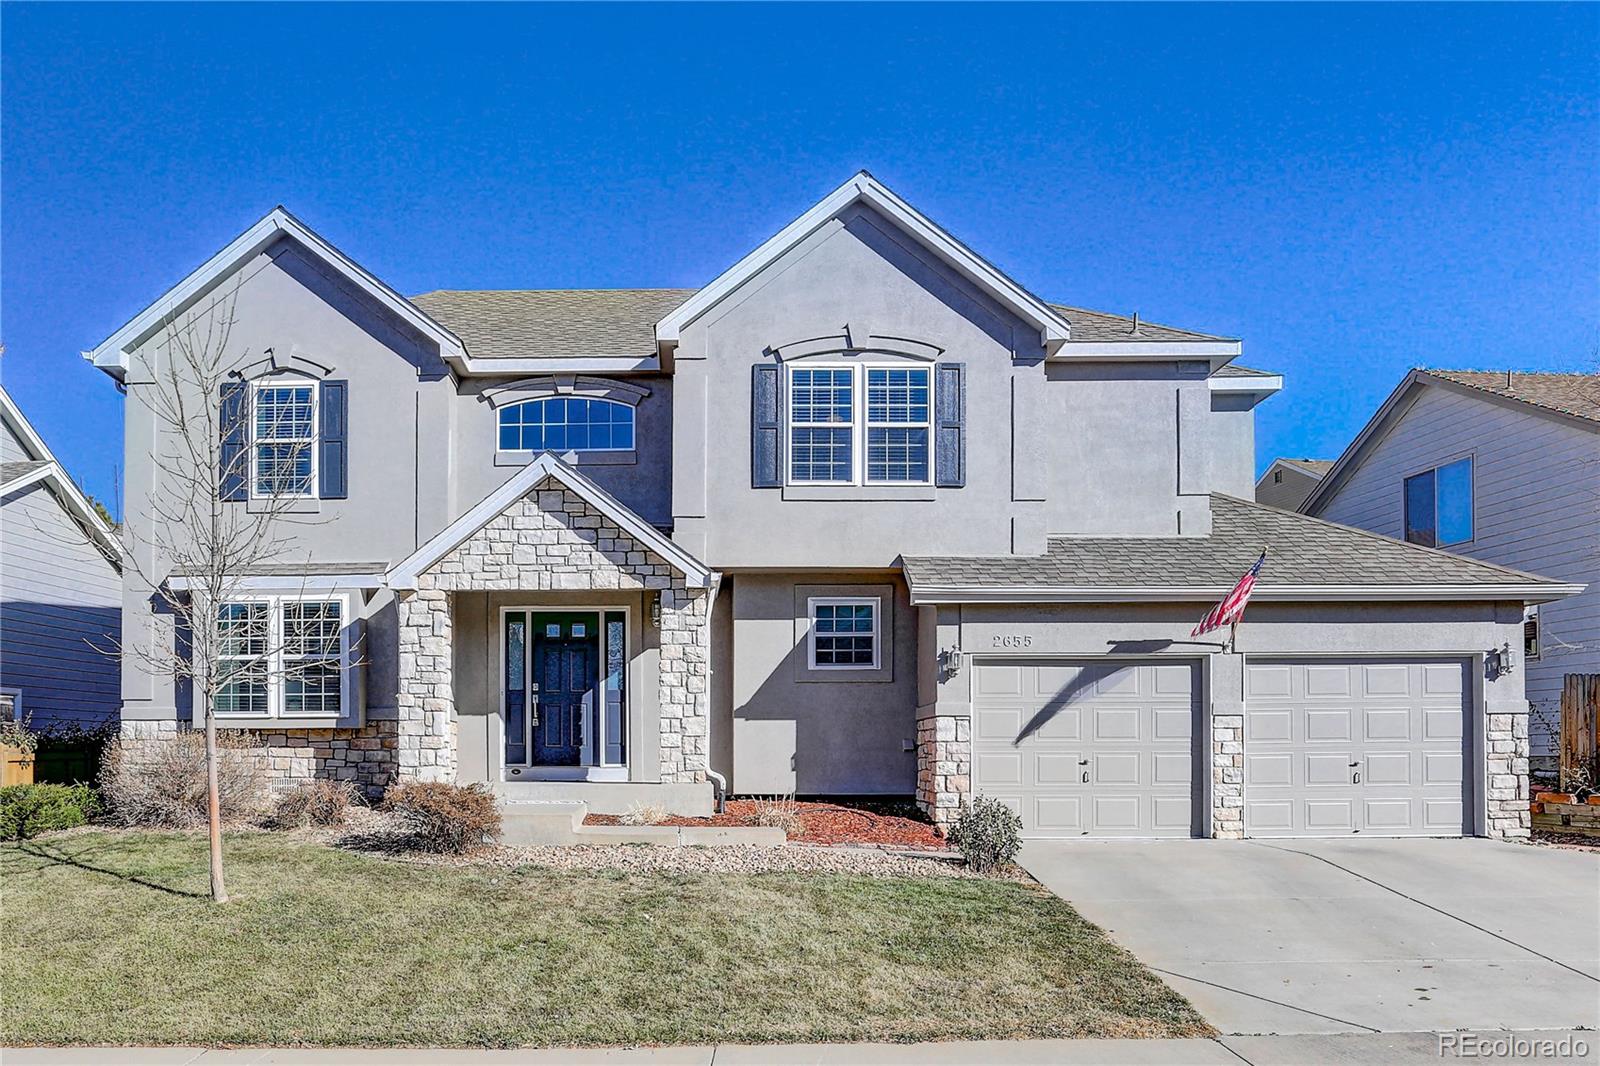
column 987, row 833
column 15, row 734
column 319, row 802
column 162, row 781
column 28, row 810
column 645, row 814
column 780, row 812
column 445, row 818
column 69, row 754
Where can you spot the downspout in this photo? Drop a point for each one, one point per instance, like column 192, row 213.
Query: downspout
column 719, row 783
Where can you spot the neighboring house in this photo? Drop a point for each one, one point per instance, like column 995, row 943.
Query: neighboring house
column 861, row 516
column 60, row 589
column 1503, row 466
column 1288, row 482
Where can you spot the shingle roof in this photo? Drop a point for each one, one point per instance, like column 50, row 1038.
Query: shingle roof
column 1572, row 394
column 573, row 323
column 305, row 569
column 1302, row 551
column 1314, row 467
column 1100, row 327
column 553, row 323
column 1234, row 370
column 10, row 472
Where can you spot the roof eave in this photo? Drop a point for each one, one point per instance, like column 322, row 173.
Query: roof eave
column 1527, row 593
column 112, row 354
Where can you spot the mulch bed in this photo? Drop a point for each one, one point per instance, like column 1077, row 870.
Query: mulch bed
column 885, row 823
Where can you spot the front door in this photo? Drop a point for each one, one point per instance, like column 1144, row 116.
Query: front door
column 565, row 680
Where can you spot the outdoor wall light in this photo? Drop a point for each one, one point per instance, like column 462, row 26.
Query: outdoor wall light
column 655, row 610
column 1499, row 661
column 949, row 663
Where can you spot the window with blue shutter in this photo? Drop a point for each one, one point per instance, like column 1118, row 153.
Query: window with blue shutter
column 950, row 425
column 234, row 426
column 766, row 428
column 333, row 448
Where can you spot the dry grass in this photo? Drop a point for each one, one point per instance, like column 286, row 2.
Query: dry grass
column 162, row 782
column 320, row 802
column 644, row 814
column 324, row 947
column 780, row 812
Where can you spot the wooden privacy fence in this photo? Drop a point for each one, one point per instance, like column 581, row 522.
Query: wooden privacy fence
column 1580, row 731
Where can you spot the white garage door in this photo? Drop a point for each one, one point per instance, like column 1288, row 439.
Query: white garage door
column 1088, row 748
column 1356, row 746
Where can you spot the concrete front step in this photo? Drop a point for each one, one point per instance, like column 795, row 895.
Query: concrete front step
column 529, row 823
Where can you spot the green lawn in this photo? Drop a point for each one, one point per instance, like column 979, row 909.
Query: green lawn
column 111, row 940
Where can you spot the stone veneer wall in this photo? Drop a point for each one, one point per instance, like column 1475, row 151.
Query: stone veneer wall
column 1507, row 780
column 944, row 766
column 291, row 757
column 550, row 540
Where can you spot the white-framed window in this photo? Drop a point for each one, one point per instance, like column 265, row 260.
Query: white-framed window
column 1438, row 505
column 1530, row 633
column 855, row 425
column 10, row 705
column 822, row 431
column 898, row 426
column 283, row 656
column 843, row 633
column 566, row 423
column 283, row 439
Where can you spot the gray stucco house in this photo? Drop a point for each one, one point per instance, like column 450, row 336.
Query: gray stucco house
column 862, row 515
column 1503, row 466
column 60, row 589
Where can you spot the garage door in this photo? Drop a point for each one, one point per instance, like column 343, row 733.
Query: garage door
column 1356, row 746
column 1088, row 748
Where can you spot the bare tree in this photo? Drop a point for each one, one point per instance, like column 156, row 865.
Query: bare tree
column 213, row 444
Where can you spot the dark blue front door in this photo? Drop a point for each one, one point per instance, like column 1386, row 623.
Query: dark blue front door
column 565, row 673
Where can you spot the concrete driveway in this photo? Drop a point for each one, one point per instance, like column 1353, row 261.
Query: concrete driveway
column 1327, row 936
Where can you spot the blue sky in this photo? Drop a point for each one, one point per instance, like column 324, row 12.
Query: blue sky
column 1352, row 190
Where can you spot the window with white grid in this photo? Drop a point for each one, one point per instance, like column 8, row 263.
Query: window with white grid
column 282, row 657
column 844, row 633
column 284, row 420
column 312, row 680
column 897, row 424
column 822, row 425
column 244, row 647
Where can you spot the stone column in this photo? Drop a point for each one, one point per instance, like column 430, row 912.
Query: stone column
column 1506, row 773
column 1226, row 702
column 944, row 766
column 426, row 700
column 684, row 679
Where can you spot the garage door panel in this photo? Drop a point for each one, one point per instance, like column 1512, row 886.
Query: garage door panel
column 1126, row 727
column 997, row 679
column 1309, row 726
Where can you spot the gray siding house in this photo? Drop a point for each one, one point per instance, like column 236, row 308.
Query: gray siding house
column 862, row 515
column 60, row 589
column 1287, row 482
column 1502, row 466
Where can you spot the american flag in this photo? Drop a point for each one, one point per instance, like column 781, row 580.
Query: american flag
column 1232, row 606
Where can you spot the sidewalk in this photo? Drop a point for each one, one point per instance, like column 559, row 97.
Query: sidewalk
column 1391, row 1049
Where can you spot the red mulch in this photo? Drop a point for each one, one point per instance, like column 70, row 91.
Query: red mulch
column 889, row 823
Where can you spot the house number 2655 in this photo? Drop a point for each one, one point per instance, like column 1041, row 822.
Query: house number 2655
column 1012, row 640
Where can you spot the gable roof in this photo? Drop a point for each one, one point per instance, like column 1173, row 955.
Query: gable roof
column 1570, row 398
column 1308, row 560
column 112, row 354
column 404, row 574
column 1108, row 328
column 42, row 466
column 864, row 188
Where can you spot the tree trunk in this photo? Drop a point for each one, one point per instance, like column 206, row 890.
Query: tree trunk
column 219, row 891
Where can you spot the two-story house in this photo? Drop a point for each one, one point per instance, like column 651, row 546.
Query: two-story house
column 1503, row 466
column 862, row 515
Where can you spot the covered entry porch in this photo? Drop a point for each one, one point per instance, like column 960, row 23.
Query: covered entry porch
column 554, row 646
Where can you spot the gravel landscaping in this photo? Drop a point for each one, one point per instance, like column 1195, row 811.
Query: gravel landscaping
column 884, row 822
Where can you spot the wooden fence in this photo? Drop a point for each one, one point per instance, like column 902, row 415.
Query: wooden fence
column 1580, row 731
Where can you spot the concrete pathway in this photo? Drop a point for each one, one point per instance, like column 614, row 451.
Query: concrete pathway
column 1553, row 1048
column 1349, row 936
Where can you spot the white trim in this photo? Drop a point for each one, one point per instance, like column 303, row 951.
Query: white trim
column 32, row 477
column 112, row 354
column 1265, row 385
column 310, row 584
column 1218, row 352
column 502, row 408
column 864, row 188
column 1530, row 593
column 564, row 364
column 859, row 425
column 790, row 425
column 68, row 493
column 276, row 709
column 403, row 575
column 812, row 602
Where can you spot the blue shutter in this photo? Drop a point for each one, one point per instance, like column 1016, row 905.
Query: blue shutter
column 233, row 464
column 766, row 428
column 333, row 449
column 950, row 425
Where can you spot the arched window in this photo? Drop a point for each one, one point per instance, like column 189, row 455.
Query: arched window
column 566, row 423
